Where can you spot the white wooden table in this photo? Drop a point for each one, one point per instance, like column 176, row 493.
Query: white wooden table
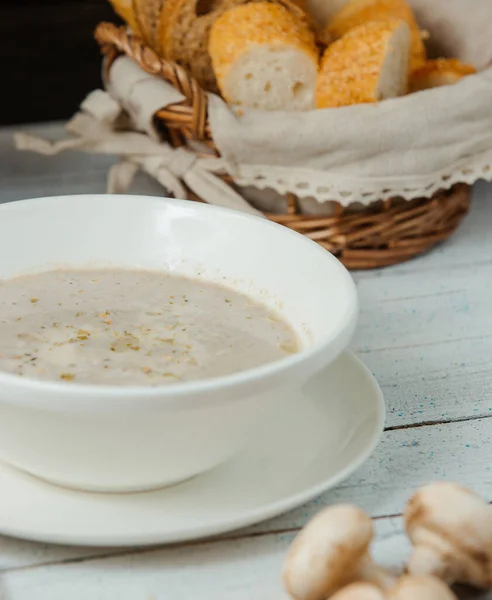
column 425, row 332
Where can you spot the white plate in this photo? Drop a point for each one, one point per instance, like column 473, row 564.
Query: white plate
column 319, row 440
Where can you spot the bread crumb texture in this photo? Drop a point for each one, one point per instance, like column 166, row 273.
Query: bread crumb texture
column 255, row 24
column 438, row 72
column 267, row 32
column 353, row 67
column 184, row 35
column 264, row 55
column 358, row 12
column 147, row 14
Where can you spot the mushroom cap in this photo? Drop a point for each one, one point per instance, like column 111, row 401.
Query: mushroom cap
column 359, row 591
column 327, row 552
column 451, row 529
column 421, row 588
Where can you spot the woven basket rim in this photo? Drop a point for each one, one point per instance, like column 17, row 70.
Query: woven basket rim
column 191, row 114
column 380, row 235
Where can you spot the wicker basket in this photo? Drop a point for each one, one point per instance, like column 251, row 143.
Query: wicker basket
column 383, row 234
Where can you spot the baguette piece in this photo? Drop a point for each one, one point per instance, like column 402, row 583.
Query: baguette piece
column 264, row 56
column 368, row 64
column 147, row 14
column 438, row 72
column 357, row 12
column 124, row 8
column 184, row 30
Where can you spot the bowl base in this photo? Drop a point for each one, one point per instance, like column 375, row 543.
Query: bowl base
column 104, row 489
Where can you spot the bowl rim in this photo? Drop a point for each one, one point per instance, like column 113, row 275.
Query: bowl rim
column 200, row 386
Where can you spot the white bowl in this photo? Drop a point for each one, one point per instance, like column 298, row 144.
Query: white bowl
column 104, row 438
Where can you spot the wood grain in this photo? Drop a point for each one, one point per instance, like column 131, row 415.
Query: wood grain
column 246, row 569
column 425, row 331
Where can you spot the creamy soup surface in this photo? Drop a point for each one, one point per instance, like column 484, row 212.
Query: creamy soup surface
column 125, row 327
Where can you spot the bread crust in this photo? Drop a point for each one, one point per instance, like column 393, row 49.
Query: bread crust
column 352, row 67
column 438, row 72
column 358, row 12
column 147, row 14
column 124, row 8
column 260, row 25
column 184, row 34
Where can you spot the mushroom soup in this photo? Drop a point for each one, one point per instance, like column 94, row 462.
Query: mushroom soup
column 133, row 327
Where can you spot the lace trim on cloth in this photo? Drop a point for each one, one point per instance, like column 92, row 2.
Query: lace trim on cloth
column 324, row 187
column 329, row 160
column 405, row 147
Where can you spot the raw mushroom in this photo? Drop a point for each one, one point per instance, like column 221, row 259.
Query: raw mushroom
column 407, row 588
column 331, row 552
column 420, row 588
column 360, row 591
column 451, row 531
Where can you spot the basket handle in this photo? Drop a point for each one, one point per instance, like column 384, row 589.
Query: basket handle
column 115, row 41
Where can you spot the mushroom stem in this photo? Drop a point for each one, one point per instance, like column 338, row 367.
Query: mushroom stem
column 360, row 591
column 372, row 573
column 406, row 588
column 330, row 552
column 420, row 588
column 428, row 561
column 451, row 531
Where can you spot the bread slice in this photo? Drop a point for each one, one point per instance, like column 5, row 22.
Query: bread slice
column 358, row 12
column 264, row 56
column 368, row 64
column 184, row 31
column 124, row 8
column 148, row 14
column 435, row 73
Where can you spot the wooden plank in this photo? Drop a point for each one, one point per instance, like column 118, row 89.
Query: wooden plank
column 94, row 182
column 248, row 569
column 405, row 460
column 18, row 554
column 425, row 332
column 237, row 570
column 29, row 175
column 428, row 341
column 423, row 321
column 399, row 312
column 18, row 168
column 442, row 382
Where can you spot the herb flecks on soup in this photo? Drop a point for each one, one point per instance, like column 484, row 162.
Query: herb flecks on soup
column 125, row 327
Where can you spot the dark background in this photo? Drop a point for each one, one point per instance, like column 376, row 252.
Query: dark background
column 49, row 59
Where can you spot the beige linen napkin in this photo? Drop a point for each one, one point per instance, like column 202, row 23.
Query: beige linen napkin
column 408, row 147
